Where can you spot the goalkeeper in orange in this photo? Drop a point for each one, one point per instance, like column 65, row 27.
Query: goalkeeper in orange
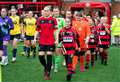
column 83, row 29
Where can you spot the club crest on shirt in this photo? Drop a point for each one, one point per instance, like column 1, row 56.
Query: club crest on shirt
column 76, row 25
column 51, row 21
column 80, row 29
column 15, row 22
column 63, row 33
column 6, row 20
column 42, row 21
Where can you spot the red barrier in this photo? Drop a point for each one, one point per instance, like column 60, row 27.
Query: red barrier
column 50, row 3
column 93, row 5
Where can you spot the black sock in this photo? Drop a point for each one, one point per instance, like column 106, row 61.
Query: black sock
column 102, row 58
column 14, row 52
column 96, row 56
column 49, row 63
column 105, row 58
column 69, row 67
column 28, row 51
column 24, row 48
column 31, row 48
column 34, row 50
column 0, row 59
column 66, row 58
column 42, row 61
column 69, row 64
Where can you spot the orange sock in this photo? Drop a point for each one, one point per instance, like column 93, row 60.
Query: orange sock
column 75, row 61
column 82, row 63
column 87, row 58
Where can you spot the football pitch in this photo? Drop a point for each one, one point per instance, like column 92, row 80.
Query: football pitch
column 30, row 70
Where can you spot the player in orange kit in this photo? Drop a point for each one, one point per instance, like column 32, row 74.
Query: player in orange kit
column 83, row 29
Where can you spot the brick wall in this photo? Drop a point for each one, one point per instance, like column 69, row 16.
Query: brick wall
column 66, row 6
column 115, row 8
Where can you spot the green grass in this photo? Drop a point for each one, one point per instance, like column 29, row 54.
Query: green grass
column 30, row 70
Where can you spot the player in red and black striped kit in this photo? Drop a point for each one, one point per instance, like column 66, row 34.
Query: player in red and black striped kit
column 69, row 39
column 91, row 45
column 104, row 39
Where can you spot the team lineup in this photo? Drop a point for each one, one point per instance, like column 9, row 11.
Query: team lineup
column 76, row 36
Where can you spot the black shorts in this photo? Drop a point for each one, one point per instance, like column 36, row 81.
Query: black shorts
column 79, row 53
column 47, row 48
column 29, row 37
column 17, row 36
column 1, row 45
column 104, row 46
column 92, row 50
